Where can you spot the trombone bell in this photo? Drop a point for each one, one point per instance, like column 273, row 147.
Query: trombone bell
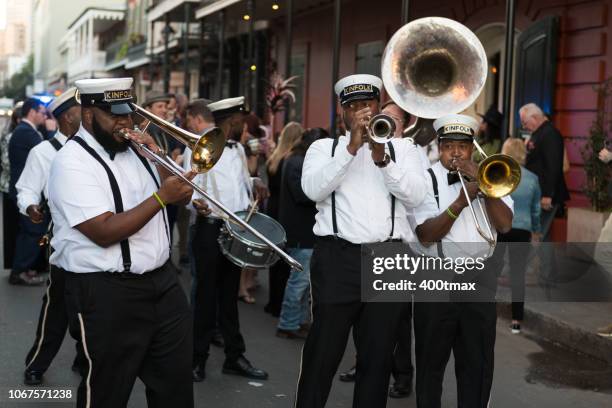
column 498, row 175
column 206, row 149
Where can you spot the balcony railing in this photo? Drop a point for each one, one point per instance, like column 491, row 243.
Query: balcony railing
column 94, row 61
column 113, row 50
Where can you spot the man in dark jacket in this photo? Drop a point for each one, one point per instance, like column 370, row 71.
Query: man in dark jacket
column 545, row 158
column 27, row 250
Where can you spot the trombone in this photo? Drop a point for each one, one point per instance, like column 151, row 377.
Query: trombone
column 498, row 175
column 207, row 150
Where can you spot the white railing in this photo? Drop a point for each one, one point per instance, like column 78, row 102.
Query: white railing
column 90, row 62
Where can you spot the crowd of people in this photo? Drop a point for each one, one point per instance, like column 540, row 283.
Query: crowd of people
column 80, row 203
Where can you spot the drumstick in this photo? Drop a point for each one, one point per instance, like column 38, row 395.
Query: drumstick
column 251, row 211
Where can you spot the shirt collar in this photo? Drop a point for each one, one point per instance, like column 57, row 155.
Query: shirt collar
column 62, row 138
column 440, row 167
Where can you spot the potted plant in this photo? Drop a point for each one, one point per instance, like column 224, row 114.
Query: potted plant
column 584, row 224
column 280, row 94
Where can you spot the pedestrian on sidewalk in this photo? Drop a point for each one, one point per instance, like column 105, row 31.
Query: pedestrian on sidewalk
column 27, row 251
column 279, row 272
column 603, row 249
column 525, row 228
column 297, row 215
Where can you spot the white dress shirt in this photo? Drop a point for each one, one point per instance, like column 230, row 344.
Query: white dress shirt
column 228, row 182
column 463, row 239
column 33, row 180
column 363, row 191
column 79, row 190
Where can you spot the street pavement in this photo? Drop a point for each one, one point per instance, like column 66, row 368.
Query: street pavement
column 529, row 372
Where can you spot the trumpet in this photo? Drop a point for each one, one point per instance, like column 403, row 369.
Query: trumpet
column 207, row 150
column 381, row 128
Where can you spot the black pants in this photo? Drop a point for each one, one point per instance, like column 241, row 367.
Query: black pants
column 468, row 329
column 402, row 357
column 132, row 326
column 518, row 264
column 278, row 276
column 337, row 307
column 52, row 325
column 217, row 287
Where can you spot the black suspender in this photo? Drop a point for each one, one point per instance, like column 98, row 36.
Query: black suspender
column 392, row 155
column 147, row 166
column 334, row 222
column 55, row 143
column 333, row 196
column 125, row 245
column 434, row 181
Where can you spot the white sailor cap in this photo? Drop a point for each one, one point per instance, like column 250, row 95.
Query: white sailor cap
column 112, row 94
column 456, row 127
column 358, row 87
column 226, row 107
column 64, row 102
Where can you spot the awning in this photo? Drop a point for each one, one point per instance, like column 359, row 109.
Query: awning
column 172, row 7
column 214, row 7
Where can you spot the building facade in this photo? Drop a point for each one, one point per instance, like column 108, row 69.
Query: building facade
column 51, row 21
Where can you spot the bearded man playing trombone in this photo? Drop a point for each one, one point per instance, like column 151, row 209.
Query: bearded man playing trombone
column 111, row 238
column 446, row 229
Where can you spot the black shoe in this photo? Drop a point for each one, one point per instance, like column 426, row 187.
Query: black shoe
column 32, row 377
column 26, row 280
column 348, row 376
column 198, row 374
column 515, row 328
column 401, row 389
column 243, row 367
column 217, row 339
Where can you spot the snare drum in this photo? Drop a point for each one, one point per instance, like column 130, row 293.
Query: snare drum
column 245, row 249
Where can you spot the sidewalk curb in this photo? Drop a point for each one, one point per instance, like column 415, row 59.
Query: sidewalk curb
column 558, row 331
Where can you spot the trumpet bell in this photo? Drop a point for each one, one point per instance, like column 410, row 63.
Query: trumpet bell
column 381, row 128
column 498, row 175
column 434, row 66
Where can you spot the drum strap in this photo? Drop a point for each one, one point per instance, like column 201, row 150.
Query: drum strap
column 333, row 195
column 246, row 174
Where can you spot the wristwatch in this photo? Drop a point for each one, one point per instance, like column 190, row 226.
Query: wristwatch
column 383, row 163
